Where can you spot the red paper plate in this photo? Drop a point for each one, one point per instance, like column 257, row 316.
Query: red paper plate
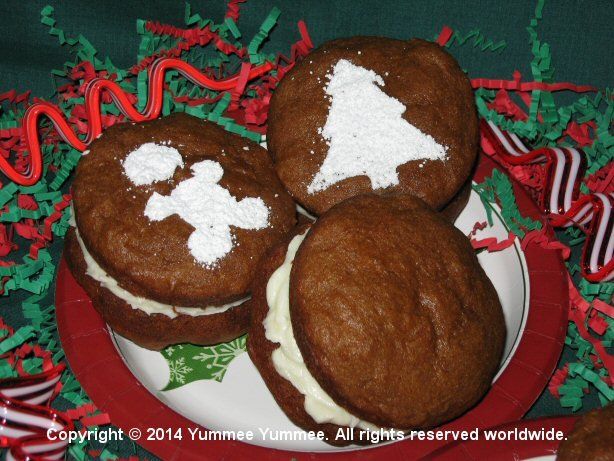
column 510, row 450
column 114, row 389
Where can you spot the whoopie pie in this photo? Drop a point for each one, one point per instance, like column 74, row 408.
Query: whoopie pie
column 378, row 315
column 172, row 217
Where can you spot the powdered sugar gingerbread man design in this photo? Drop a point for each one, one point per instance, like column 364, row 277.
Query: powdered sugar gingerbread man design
column 199, row 200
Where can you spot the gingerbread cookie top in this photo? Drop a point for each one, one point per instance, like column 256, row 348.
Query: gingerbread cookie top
column 392, row 313
column 179, row 210
column 372, row 114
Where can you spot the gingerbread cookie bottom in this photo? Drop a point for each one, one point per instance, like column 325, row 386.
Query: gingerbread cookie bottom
column 154, row 331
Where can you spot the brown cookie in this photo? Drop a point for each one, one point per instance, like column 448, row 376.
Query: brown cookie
column 420, row 74
column 416, row 314
column 393, row 315
column 151, row 259
column 592, row 438
column 154, row 331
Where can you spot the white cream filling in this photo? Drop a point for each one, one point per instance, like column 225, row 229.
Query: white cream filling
column 287, row 358
column 149, row 306
column 304, row 212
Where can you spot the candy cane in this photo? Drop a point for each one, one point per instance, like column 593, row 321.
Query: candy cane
column 93, row 97
column 565, row 167
column 597, row 261
column 24, row 422
column 24, row 429
column 34, row 389
column 559, row 199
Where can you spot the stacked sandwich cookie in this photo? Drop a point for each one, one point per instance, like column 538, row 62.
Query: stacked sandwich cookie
column 377, row 316
column 172, row 217
column 375, row 115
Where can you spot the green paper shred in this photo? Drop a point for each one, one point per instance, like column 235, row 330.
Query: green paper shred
column 20, row 337
column 266, row 27
column 498, row 189
column 593, row 378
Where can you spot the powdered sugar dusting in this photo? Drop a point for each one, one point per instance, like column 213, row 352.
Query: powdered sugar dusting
column 366, row 133
column 151, row 162
column 211, row 209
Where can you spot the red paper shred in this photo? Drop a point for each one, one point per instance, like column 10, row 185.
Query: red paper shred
column 80, row 412
column 96, row 420
column 491, row 244
column 478, row 226
column 6, row 240
column 557, row 380
column 233, row 9
column 444, row 36
column 597, row 324
column 539, row 237
column 240, row 87
column 602, row 180
column 189, row 38
column 504, row 105
column 517, row 85
column 603, row 307
column 15, row 98
column 580, row 132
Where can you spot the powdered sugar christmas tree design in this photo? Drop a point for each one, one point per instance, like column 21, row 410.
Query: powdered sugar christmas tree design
column 366, row 133
column 200, row 201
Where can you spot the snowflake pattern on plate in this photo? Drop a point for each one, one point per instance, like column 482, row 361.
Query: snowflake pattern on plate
column 188, row 363
column 178, row 370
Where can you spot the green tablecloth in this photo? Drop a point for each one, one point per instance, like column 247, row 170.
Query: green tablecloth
column 578, row 32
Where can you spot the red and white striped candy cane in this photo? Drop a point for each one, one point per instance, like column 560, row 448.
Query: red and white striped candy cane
column 34, row 389
column 24, row 430
column 565, row 166
column 597, row 255
column 24, row 422
column 560, row 199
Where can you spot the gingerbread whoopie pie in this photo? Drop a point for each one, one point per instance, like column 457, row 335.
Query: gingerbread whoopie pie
column 374, row 114
column 171, row 218
column 377, row 316
column 592, row 437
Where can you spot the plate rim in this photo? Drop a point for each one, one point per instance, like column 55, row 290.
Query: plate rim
column 115, row 390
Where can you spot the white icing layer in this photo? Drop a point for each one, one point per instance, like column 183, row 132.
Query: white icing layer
column 287, row 358
column 149, row 306
column 304, row 212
